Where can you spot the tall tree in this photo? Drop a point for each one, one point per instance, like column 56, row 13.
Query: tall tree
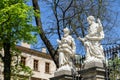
column 15, row 26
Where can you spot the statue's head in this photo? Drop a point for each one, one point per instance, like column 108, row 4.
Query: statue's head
column 90, row 19
column 66, row 30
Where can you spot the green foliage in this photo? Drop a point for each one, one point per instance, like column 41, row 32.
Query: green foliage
column 15, row 26
column 114, row 68
column 16, row 21
column 21, row 72
column 18, row 70
column 36, row 13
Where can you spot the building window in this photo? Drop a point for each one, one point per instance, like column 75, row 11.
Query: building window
column 35, row 65
column 23, row 60
column 47, row 67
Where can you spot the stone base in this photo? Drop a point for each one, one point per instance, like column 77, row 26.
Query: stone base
column 94, row 73
column 62, row 72
column 93, row 70
column 62, row 77
column 93, row 64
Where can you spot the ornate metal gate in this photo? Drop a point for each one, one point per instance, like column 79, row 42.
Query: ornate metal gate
column 112, row 65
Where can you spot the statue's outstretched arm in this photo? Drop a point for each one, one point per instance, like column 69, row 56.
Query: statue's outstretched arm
column 81, row 39
column 59, row 41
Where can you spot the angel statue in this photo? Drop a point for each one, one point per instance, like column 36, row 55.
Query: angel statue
column 94, row 50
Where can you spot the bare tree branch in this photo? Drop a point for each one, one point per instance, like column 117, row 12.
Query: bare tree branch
column 42, row 34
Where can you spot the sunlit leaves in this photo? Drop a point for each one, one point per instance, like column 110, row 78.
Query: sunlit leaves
column 36, row 13
column 114, row 66
column 15, row 21
column 15, row 26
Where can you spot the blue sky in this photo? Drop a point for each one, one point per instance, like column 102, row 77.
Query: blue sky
column 48, row 21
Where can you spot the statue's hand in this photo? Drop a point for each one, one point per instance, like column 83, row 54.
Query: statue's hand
column 58, row 41
column 82, row 39
column 87, row 36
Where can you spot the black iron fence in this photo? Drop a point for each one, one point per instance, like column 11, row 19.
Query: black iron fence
column 112, row 65
column 112, row 55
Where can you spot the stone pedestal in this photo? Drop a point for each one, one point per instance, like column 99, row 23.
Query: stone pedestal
column 92, row 64
column 93, row 71
column 62, row 72
column 62, row 75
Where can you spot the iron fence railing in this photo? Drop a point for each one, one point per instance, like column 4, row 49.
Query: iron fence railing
column 112, row 54
column 112, row 65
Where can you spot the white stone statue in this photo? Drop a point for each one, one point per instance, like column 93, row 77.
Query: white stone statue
column 94, row 50
column 66, row 51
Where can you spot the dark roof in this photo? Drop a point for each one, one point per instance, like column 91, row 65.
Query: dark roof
column 33, row 52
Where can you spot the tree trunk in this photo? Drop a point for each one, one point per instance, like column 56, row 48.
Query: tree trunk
column 7, row 61
column 50, row 48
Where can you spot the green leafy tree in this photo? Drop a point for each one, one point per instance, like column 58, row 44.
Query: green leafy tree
column 19, row 70
column 15, row 26
column 114, row 67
